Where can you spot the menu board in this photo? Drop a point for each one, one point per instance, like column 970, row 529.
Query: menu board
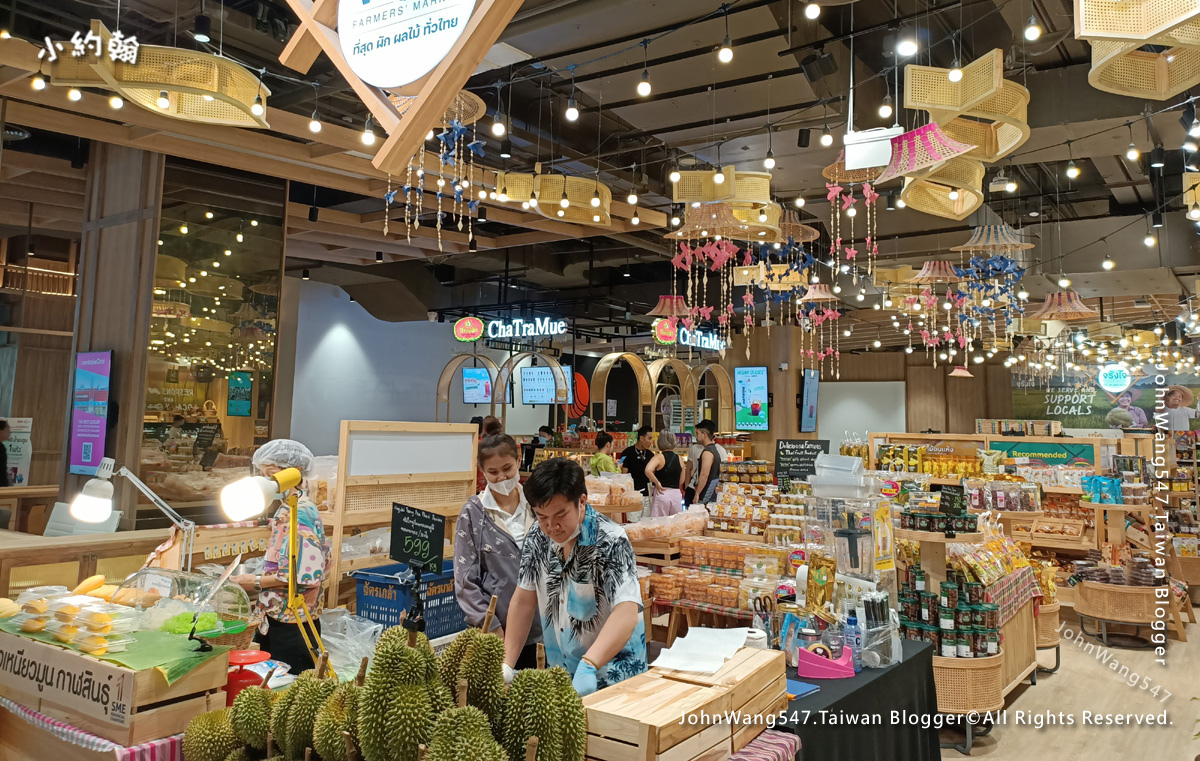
column 89, row 411
column 477, row 385
column 808, row 401
column 750, row 398
column 538, row 387
column 241, row 387
column 417, row 537
column 797, row 458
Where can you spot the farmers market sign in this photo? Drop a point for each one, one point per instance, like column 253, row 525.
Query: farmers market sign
column 391, row 43
column 473, row 328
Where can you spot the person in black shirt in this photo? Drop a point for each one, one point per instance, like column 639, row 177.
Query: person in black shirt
column 634, row 460
column 664, row 471
column 5, row 434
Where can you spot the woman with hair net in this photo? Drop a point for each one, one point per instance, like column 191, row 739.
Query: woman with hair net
column 279, row 633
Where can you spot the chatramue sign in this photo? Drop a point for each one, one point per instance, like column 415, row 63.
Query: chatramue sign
column 468, row 329
column 665, row 332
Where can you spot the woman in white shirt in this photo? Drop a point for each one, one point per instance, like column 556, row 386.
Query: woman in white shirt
column 488, row 538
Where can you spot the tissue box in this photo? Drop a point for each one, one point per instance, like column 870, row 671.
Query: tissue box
column 770, row 746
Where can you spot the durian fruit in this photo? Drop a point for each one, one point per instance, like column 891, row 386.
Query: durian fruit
column 313, row 694
column 452, row 658
column 251, row 713
column 395, row 710
column 543, row 704
column 483, row 668
column 281, row 711
column 339, row 714
column 572, row 717
column 209, row 737
column 409, row 722
column 241, row 754
column 464, row 734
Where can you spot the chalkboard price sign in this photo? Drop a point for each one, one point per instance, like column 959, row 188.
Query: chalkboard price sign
column 417, row 537
column 796, row 459
column 953, row 500
column 205, row 437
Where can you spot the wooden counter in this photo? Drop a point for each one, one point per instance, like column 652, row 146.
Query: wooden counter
column 20, row 500
column 28, row 560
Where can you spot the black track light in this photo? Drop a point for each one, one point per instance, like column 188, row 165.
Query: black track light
column 313, row 213
column 481, row 213
column 203, row 29
column 304, row 274
column 379, row 256
column 506, row 148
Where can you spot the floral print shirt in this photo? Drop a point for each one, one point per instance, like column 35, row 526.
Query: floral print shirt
column 576, row 595
column 313, row 555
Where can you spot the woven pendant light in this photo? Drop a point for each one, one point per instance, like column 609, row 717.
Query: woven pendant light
column 936, row 271
column 998, row 237
column 837, row 172
column 818, row 292
column 1064, row 305
column 791, row 228
column 712, row 220
column 669, row 306
column 921, row 148
column 961, row 371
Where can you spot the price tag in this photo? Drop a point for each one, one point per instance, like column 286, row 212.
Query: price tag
column 417, row 537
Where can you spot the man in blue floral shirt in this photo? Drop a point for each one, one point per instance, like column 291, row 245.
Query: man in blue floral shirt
column 578, row 570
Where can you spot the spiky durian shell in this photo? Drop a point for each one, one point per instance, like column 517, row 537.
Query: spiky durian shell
column 452, row 658
column 251, row 716
column 572, row 717
column 209, row 737
column 482, row 667
column 338, row 714
column 312, row 695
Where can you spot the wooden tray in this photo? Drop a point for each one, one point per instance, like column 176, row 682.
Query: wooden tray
column 639, row 718
column 657, row 552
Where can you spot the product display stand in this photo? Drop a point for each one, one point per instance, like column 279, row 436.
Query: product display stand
column 1122, row 605
column 1047, row 634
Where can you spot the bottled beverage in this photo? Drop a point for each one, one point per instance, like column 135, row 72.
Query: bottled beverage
column 853, row 638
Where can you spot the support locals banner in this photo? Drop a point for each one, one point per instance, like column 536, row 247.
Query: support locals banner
column 1086, row 405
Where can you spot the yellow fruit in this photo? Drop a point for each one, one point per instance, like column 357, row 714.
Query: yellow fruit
column 96, row 651
column 35, row 607
column 104, row 593
column 93, row 645
column 97, row 617
column 8, row 608
column 33, row 624
column 66, row 633
column 102, row 629
column 88, row 584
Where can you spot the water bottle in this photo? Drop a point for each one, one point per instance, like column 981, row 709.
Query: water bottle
column 853, row 638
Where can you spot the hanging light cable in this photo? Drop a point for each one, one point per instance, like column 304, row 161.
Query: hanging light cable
column 725, row 52
column 314, row 124
column 643, row 87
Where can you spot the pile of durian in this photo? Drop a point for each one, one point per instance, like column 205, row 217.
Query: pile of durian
column 410, row 706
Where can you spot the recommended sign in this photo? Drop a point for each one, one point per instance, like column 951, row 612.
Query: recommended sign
column 477, row 385
column 391, row 43
column 89, row 410
column 750, row 398
column 417, row 537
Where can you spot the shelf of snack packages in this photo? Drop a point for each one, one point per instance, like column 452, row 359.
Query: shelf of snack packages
column 581, row 446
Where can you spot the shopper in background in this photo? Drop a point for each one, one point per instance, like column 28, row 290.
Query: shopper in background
column 664, row 472
column 545, row 435
column 279, row 633
column 488, row 426
column 709, row 465
column 602, row 461
column 634, row 460
column 692, row 468
column 488, row 538
column 579, row 573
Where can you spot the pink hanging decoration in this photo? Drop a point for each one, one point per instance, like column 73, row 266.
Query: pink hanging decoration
column 748, row 298
column 869, row 195
column 848, row 201
column 705, row 312
column 723, row 319
column 748, row 259
column 833, row 191
column 851, row 253
column 920, row 149
column 689, row 323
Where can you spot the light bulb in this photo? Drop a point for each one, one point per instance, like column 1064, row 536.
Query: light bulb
column 799, row 202
column 725, row 52
column 1064, row 282
column 502, row 196
column 956, row 73
column 953, row 194
column 525, row 205
column 1194, row 211
column 533, row 201
column 887, row 302
column 595, row 217
column 1011, row 186
column 769, row 161
column 595, row 199
column 908, row 350
column 1148, row 240
column 851, row 212
column 1108, row 263
column 885, row 108
column 877, row 344
column 900, row 203
column 906, row 45
column 572, row 110
column 1194, row 130
column 561, row 213
column 675, row 220
column 428, row 135
column 860, row 297
column 314, row 124
column 116, row 102
column 183, row 229
column 674, row 175
column 38, row 83
column 75, row 95
column 1032, row 29
column 1132, row 152
column 1072, row 170
column 643, row 87
column 947, row 305
column 636, row 220
column 498, row 126
column 632, row 198
column 368, row 136
column 826, row 137
column 258, row 109
column 837, row 288
column 1023, row 294
column 719, row 177
column 564, row 202
column 240, row 237
column 208, row 215
column 812, row 11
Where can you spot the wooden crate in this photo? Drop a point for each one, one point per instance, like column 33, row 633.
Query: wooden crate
column 657, row 552
column 639, row 719
column 1070, row 533
column 137, row 706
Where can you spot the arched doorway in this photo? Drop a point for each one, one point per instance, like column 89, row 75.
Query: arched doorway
column 600, row 384
column 447, row 377
column 724, row 419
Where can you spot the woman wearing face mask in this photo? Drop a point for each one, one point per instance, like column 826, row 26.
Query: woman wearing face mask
column 488, row 538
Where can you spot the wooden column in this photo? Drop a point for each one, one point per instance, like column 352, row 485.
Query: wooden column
column 116, row 284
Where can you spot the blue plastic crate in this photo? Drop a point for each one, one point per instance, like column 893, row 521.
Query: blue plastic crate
column 384, row 592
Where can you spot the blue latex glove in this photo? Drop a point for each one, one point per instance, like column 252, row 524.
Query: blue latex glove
column 585, row 679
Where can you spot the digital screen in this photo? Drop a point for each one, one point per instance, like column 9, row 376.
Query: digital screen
column 89, row 410
column 241, row 387
column 537, row 385
column 477, row 385
column 808, row 401
column 750, row 398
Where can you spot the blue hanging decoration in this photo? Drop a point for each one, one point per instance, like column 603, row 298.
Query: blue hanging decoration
column 476, row 147
column 458, row 193
column 473, row 206
column 390, row 197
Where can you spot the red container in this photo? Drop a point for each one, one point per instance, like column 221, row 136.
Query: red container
column 243, row 677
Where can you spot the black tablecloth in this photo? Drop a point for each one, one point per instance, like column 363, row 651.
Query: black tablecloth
column 900, row 703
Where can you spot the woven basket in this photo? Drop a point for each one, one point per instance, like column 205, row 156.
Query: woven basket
column 698, row 186
column 930, row 192
column 969, row 684
column 1047, row 625
column 239, row 641
column 579, row 191
column 1112, row 602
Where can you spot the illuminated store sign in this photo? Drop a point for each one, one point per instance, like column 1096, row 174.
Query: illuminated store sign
column 473, row 328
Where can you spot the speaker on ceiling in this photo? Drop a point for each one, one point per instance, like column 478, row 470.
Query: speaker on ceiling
column 803, row 138
column 818, row 65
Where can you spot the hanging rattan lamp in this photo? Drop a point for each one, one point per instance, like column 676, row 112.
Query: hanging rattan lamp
column 466, row 108
column 710, row 221
column 669, row 306
column 936, row 271
column 194, row 86
column 818, row 292
column 961, row 371
column 1065, row 306
column 996, row 238
column 792, row 229
column 921, row 149
column 838, row 173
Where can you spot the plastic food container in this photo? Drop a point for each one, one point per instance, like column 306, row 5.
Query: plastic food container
column 40, row 593
column 65, row 609
column 30, row 623
column 63, row 632
column 99, row 644
column 109, row 618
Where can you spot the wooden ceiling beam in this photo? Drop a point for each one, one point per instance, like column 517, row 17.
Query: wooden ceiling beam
column 31, row 162
column 42, row 197
column 338, row 237
column 27, row 178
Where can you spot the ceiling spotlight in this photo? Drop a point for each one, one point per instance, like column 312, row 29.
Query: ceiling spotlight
column 596, row 198
column 506, row 148
column 379, row 256
column 1072, row 170
column 1132, row 153
column 498, row 125
column 163, row 100
column 1194, row 129
column 1157, row 159
column 1032, row 29
column 956, row 73
column 643, row 86
column 632, row 198
column 826, row 137
column 258, row 109
column 38, row 82
column 117, row 102
column 725, row 52
column 885, row 108
column 719, row 177
column 812, row 11
column 906, row 43
column 799, row 202
column 769, row 161
column 572, row 113
column 304, row 274
column 428, row 137
column 1156, row 220
column 314, row 124
column 202, row 31
column 1194, row 211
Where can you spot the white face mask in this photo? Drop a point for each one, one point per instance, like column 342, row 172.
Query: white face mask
column 505, row 487
column 562, row 546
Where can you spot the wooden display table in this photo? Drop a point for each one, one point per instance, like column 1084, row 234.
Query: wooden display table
column 21, row 500
column 115, row 703
column 1133, row 606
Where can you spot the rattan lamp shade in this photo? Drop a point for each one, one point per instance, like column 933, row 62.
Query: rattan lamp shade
column 698, row 186
column 921, row 149
column 818, row 292
column 763, row 232
column 961, row 371
column 1065, row 306
column 710, row 221
column 838, row 173
column 791, row 228
column 467, row 107
column 930, row 192
column 200, row 87
column 669, row 306
column 994, row 238
column 936, row 271
column 550, row 188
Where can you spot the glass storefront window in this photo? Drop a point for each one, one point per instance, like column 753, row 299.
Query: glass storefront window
column 210, row 378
